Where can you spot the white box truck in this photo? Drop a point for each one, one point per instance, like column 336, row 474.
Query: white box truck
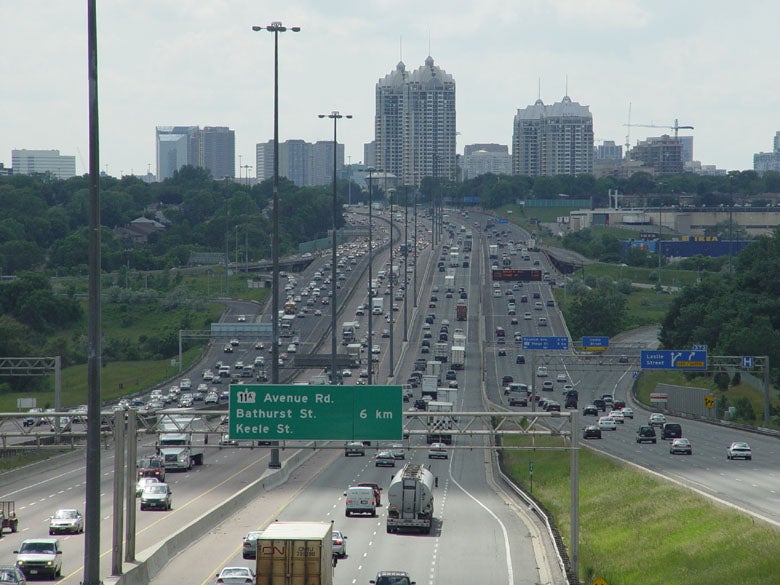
column 457, row 357
column 429, row 385
column 377, row 305
column 295, row 553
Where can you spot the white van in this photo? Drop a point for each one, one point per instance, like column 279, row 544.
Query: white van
column 359, row 500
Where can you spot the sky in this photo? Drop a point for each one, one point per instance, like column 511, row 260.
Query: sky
column 711, row 64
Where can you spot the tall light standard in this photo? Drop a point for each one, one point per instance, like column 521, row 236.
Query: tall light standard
column 415, row 249
column 406, row 259
column 275, row 28
column 335, row 116
column 391, row 321
column 370, row 309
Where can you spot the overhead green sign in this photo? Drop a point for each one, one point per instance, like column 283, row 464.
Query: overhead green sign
column 303, row 413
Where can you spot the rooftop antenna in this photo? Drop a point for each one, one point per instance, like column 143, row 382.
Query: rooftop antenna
column 539, row 90
column 429, row 42
column 401, row 47
column 566, row 84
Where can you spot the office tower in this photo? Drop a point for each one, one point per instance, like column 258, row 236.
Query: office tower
column 303, row 163
column 609, row 151
column 176, row 147
column 553, row 140
column 415, row 124
column 768, row 161
column 31, row 162
column 217, row 151
column 212, row 148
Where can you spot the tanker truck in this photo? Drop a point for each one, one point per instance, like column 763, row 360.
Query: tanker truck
column 410, row 500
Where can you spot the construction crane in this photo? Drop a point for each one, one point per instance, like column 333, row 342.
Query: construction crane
column 676, row 126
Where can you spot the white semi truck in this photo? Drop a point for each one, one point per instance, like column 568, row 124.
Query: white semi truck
column 181, row 441
column 410, row 500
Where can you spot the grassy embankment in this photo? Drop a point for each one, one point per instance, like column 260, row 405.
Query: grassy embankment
column 638, row 529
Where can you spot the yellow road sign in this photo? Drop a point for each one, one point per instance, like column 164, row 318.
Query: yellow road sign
column 709, row 401
column 598, row 581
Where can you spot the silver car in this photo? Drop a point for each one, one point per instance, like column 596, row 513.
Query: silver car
column 339, row 540
column 158, row 496
column 66, row 521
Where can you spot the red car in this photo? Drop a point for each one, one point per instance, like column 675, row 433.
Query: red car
column 151, row 467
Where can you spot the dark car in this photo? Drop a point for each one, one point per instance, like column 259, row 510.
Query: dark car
column 645, row 434
column 376, row 488
column 520, row 359
column 671, row 431
column 600, row 404
column 451, row 375
column 590, row 410
column 506, row 380
column 591, row 432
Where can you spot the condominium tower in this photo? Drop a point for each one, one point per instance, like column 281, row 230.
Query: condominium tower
column 212, row 148
column 553, row 140
column 415, row 123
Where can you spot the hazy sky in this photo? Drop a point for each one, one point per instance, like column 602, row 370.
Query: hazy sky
column 712, row 64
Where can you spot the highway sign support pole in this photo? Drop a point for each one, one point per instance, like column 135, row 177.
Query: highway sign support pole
column 370, row 308
column 391, row 322
column 119, row 485
column 406, row 265
column 132, row 457
column 574, row 475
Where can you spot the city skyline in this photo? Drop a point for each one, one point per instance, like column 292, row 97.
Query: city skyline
column 698, row 62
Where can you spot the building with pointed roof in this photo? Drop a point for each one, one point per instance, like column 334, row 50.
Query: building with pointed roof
column 553, row 140
column 415, row 123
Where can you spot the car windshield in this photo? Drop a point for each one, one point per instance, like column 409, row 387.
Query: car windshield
column 155, row 489
column 392, row 580
column 235, row 572
column 37, row 547
column 7, row 576
column 66, row 514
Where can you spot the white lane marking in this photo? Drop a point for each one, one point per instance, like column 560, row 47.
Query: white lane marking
column 507, row 550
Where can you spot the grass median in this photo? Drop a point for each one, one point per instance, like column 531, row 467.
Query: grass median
column 636, row 528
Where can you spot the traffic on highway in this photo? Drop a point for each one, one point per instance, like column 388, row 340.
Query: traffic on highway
column 448, row 320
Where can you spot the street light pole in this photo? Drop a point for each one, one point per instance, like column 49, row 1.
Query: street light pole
column 392, row 293
column 370, row 276
column 406, row 260
column 415, row 249
column 335, row 116
column 275, row 28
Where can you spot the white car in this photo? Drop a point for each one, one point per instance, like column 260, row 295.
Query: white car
column 346, row 373
column 241, row 318
column 438, row 451
column 618, row 416
column 628, row 412
column 541, row 372
column 376, row 349
column 561, row 378
column 527, row 316
column 607, row 423
column 397, row 449
column 236, row 576
column 66, row 521
column 739, row 450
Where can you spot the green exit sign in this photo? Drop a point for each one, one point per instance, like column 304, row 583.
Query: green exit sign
column 306, row 413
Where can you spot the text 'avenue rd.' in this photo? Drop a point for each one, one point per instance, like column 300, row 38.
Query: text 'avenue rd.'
column 294, row 412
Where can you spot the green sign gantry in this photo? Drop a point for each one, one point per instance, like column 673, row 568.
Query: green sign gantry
column 307, row 413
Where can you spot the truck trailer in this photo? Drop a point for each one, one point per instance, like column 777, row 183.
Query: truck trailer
column 457, row 357
column 410, row 500
column 461, row 311
column 295, row 553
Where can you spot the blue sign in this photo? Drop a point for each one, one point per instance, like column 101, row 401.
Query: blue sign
column 673, row 359
column 471, row 199
column 595, row 342
column 700, row 346
column 502, row 220
column 536, row 342
column 747, row 361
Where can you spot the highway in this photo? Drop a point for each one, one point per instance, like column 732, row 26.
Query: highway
column 474, row 516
